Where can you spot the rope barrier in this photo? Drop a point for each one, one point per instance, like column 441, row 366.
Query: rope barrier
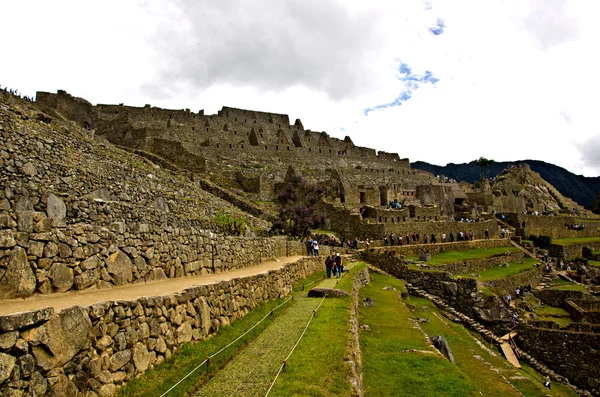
column 220, row 351
column 284, row 363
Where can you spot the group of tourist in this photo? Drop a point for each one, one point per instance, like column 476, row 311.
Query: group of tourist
column 333, row 264
column 16, row 93
column 312, row 247
column 415, row 238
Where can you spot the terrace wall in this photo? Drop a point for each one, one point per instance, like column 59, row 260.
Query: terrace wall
column 96, row 348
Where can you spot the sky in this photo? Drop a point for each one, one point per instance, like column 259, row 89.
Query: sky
column 444, row 81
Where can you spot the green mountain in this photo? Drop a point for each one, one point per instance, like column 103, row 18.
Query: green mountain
column 579, row 188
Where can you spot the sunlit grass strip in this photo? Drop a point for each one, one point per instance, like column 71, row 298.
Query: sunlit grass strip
column 397, row 358
column 575, row 240
column 460, row 256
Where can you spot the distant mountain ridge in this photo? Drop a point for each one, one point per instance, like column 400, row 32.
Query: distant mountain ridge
column 579, row 188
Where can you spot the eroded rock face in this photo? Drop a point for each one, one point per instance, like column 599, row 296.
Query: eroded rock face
column 18, row 280
column 318, row 292
column 442, row 345
column 66, row 334
column 119, row 267
column 20, row 320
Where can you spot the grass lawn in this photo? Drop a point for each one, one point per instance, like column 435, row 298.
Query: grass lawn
column 575, row 240
column 550, row 311
column 484, row 367
column 570, row 287
column 317, row 367
column 501, row 272
column 158, row 380
column 389, row 369
column 460, row 256
column 593, row 263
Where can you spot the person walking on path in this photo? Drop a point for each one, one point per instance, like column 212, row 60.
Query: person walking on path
column 339, row 267
column 329, row 262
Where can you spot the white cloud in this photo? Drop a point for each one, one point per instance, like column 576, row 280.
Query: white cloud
column 518, row 79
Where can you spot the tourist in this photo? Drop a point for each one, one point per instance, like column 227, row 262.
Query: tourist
column 368, row 243
column 309, row 246
column 339, row 267
column 547, row 382
column 487, row 234
column 443, row 237
column 315, row 248
column 329, row 265
column 385, row 241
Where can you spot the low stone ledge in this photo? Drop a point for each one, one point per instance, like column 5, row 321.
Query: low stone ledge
column 21, row 320
column 319, row 292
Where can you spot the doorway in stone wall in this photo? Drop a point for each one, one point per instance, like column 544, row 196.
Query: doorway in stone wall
column 383, row 195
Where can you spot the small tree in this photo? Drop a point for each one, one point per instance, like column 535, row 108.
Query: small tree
column 297, row 201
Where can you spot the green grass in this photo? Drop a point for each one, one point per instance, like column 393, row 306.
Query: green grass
column 158, row 380
column 317, row 366
column 570, row 287
column 550, row 311
column 483, row 369
column 575, row 240
column 500, row 272
column 593, row 263
column 389, row 370
column 460, row 256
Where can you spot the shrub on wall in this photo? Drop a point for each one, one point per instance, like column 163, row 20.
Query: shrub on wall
column 230, row 225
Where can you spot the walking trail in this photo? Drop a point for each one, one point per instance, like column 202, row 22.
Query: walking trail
column 252, row 371
column 133, row 292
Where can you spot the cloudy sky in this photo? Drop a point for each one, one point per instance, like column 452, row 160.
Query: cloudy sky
column 439, row 81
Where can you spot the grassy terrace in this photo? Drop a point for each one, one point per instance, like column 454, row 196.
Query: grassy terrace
column 575, row 240
column 500, row 272
column 390, row 368
column 556, row 314
column 593, row 263
column 318, row 365
column 460, row 256
column 158, row 380
column 483, row 367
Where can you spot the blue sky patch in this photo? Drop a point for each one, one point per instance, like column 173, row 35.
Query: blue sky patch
column 411, row 82
column 438, row 28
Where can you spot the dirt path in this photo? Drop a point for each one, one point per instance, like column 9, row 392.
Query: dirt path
column 135, row 291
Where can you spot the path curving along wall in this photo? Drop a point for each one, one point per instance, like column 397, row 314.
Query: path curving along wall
column 97, row 348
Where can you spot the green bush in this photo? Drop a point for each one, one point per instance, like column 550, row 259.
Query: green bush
column 230, row 225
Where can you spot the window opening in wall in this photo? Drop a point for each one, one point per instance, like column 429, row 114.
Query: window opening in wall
column 288, row 148
column 206, row 129
column 379, row 219
column 242, row 145
column 309, row 149
column 385, row 219
column 234, row 132
column 230, row 146
column 235, row 119
column 217, row 145
column 276, row 147
column 329, row 150
column 265, row 147
column 363, row 198
column 320, row 151
column 193, row 128
column 398, row 219
column 403, row 219
column 245, row 120
column 436, row 218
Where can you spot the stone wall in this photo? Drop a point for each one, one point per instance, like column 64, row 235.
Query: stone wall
column 417, row 249
column 574, row 355
column 510, row 283
column 556, row 297
column 99, row 347
column 587, row 311
column 460, row 293
column 552, row 226
column 81, row 256
column 573, row 251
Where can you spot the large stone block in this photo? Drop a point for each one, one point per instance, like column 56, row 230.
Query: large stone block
column 61, row 276
column 56, row 210
column 119, row 267
column 18, row 280
column 67, row 333
column 20, row 320
column 86, row 279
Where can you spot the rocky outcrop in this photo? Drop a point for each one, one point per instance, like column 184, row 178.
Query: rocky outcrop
column 442, row 345
column 319, row 292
